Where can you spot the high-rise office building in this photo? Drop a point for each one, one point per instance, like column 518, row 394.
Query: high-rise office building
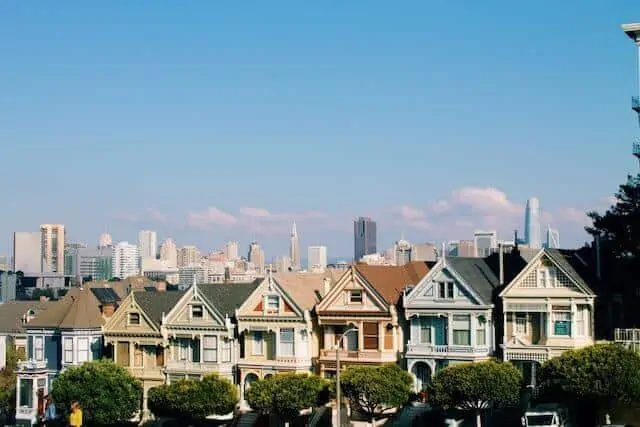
column 27, row 252
column 169, row 253
column 148, row 244
column 52, row 248
column 189, row 256
column 232, row 250
column 125, row 260
column 364, row 237
column 553, row 238
column 294, row 248
column 256, row 256
column 532, row 235
column 485, row 241
column 317, row 258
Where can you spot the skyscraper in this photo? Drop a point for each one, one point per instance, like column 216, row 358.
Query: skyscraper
column 364, row 237
column 532, row 235
column 169, row 253
column 148, row 244
column 125, row 260
column 27, row 252
column 294, row 248
column 52, row 248
column 553, row 238
column 232, row 250
column 317, row 258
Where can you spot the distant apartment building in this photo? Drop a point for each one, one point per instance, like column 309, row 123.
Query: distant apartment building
column 485, row 241
column 159, row 270
column 72, row 258
column 8, row 285
column 256, row 256
column 4, row 262
column 364, row 237
column 402, row 252
column 317, row 258
column 96, row 263
column 53, row 239
column 461, row 248
column 125, row 260
column 232, row 250
column 188, row 256
column 148, row 244
column 424, row 252
column 169, row 253
column 27, row 252
column 283, row 263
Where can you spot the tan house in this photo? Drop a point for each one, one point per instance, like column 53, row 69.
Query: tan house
column 365, row 297
column 547, row 306
column 134, row 339
column 200, row 332
column 275, row 326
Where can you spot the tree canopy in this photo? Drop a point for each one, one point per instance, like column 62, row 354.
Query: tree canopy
column 107, row 393
column 599, row 376
column 476, row 386
column 8, row 381
column 285, row 395
column 375, row 390
column 193, row 399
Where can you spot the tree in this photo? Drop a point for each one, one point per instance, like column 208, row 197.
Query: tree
column 8, row 381
column 598, row 376
column 476, row 387
column 374, row 390
column 193, row 400
column 105, row 391
column 286, row 395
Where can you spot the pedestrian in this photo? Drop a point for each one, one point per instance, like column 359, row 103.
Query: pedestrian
column 49, row 411
column 75, row 419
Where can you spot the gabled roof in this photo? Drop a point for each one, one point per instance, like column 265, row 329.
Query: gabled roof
column 477, row 274
column 571, row 265
column 390, row 281
column 306, row 288
column 13, row 312
column 227, row 297
column 155, row 304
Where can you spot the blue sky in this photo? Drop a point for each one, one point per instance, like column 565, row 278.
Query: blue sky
column 221, row 120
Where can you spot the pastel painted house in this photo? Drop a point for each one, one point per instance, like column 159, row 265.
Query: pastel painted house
column 14, row 316
column 449, row 317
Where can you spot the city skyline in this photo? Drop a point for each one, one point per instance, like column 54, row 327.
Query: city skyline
column 273, row 96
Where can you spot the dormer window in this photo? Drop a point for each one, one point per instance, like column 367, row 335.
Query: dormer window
column 273, row 303
column 134, row 319
column 197, row 312
column 355, row 296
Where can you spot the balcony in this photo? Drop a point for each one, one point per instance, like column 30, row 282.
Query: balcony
column 32, row 365
column 361, row 355
column 446, row 350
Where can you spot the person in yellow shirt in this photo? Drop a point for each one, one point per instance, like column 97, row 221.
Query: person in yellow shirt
column 75, row 419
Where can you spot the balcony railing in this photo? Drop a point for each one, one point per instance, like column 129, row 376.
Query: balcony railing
column 186, row 365
column 446, row 349
column 32, row 365
column 280, row 361
column 374, row 355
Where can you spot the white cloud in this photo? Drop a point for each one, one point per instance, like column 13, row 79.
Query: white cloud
column 209, row 217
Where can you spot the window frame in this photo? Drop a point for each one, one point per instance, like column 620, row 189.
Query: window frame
column 289, row 342
column 194, row 309
column 564, row 312
column 131, row 316
column 446, row 290
column 269, row 306
column 67, row 350
column 80, row 351
column 358, row 294
column 226, row 351
column 209, row 349
column 38, row 357
column 522, row 328
column 371, row 336
column 138, row 356
column 257, row 343
column 461, row 318
column 424, row 324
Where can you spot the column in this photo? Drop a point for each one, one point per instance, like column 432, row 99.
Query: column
column 201, row 346
column 276, row 338
column 329, row 339
column 360, row 336
column 132, row 350
column 574, row 316
column 449, row 329
column 381, row 333
column 473, row 321
column 549, row 319
column 504, row 326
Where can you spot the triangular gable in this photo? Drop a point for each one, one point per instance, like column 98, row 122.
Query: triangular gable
column 255, row 304
column 527, row 278
column 337, row 298
column 181, row 314
column 119, row 321
column 425, row 290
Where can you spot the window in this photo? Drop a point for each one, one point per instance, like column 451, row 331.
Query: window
column 461, row 330
column 287, row 342
column 445, row 290
column 370, row 334
column 561, row 321
column 38, row 348
column 546, row 277
column 83, row 350
column 582, row 321
column 257, row 343
column 183, row 349
column 481, row 332
column 273, row 303
column 122, row 355
column 197, row 312
column 138, row 355
column 210, row 348
column 134, row 318
column 355, row 296
column 159, row 356
column 226, row 351
column 68, row 350
column 26, row 392
column 521, row 323
column 425, row 330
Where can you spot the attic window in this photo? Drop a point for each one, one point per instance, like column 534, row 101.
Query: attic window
column 273, row 303
column 196, row 312
column 355, row 296
column 134, row 318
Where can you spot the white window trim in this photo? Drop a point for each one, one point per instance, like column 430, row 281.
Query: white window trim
column 68, row 351
column 36, row 339
column 226, row 351
column 292, row 342
column 191, row 307
column 257, row 346
column 356, row 291
column 447, row 284
column 572, row 331
column 431, row 333
column 525, row 325
column 129, row 323
column 80, row 351
column 206, row 349
column 269, row 309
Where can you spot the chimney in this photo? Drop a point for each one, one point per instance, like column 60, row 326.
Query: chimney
column 326, row 286
column 108, row 310
column 598, row 263
column 161, row 286
column 501, row 262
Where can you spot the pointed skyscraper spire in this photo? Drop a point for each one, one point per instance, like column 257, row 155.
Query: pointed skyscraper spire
column 294, row 232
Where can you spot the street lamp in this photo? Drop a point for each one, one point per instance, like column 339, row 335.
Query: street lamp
column 338, row 346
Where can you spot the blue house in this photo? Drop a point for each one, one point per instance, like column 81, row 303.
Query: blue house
column 449, row 317
column 68, row 333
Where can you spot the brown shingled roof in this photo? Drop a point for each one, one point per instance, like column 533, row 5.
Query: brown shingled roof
column 306, row 288
column 12, row 313
column 389, row 281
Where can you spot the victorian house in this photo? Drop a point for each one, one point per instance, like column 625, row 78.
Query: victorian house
column 275, row 326
column 358, row 316
column 14, row 316
column 68, row 332
column 449, row 315
column 200, row 332
column 547, row 306
column 133, row 336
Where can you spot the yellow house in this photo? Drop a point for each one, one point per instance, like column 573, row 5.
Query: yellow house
column 133, row 336
column 275, row 326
